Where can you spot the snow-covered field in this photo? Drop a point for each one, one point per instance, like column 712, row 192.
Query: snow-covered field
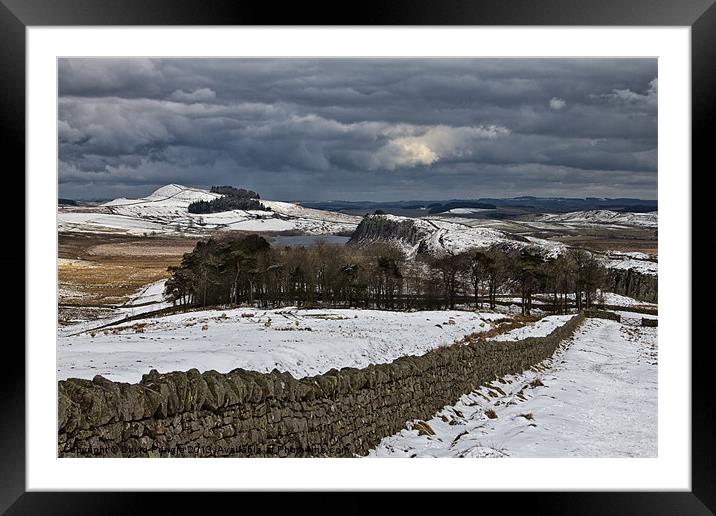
column 148, row 299
column 466, row 211
column 302, row 342
column 640, row 262
column 540, row 328
column 597, row 397
column 633, row 317
column 649, row 219
column 610, row 298
column 150, row 294
column 165, row 211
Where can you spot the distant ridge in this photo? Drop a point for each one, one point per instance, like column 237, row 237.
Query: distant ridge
column 527, row 204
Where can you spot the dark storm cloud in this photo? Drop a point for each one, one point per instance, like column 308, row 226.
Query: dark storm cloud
column 360, row 128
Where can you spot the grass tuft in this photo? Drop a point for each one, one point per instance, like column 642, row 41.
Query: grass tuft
column 536, row 383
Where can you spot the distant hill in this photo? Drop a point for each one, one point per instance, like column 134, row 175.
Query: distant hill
column 521, row 205
column 609, row 217
column 166, row 212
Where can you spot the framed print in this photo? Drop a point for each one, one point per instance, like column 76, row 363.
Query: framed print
column 266, row 254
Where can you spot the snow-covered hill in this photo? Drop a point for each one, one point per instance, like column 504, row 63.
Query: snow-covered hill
column 443, row 235
column 637, row 262
column 649, row 219
column 630, row 273
column 165, row 211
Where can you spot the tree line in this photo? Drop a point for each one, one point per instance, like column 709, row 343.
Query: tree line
column 226, row 203
column 232, row 198
column 247, row 270
column 235, row 192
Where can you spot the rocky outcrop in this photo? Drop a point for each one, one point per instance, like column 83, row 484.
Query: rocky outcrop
column 632, row 283
column 432, row 236
column 246, row 413
column 419, row 236
column 410, row 232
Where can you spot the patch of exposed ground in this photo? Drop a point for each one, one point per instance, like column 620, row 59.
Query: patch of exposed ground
column 99, row 271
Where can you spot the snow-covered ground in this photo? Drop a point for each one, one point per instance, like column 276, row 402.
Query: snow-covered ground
column 633, row 317
column 165, row 211
column 610, row 298
column 466, row 211
column 455, row 234
column 301, row 342
column 148, row 299
column 540, row 328
column 597, row 397
column 639, row 262
column 640, row 266
column 451, row 234
column 444, row 234
column 649, row 219
column 150, row 294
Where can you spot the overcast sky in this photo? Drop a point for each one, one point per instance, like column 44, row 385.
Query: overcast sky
column 360, row 129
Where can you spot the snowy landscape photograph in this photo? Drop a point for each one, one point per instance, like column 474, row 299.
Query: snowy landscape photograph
column 357, row 257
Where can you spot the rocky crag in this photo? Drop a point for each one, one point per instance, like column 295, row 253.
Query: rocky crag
column 632, row 283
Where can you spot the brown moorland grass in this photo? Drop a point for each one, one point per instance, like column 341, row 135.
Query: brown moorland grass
column 100, row 269
column 501, row 326
column 106, row 283
column 105, row 269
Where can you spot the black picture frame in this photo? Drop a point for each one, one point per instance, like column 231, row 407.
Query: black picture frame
column 17, row 15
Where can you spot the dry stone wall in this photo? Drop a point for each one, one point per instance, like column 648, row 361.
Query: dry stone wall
column 340, row 413
column 603, row 314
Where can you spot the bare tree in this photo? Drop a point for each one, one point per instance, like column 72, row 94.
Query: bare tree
column 450, row 268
